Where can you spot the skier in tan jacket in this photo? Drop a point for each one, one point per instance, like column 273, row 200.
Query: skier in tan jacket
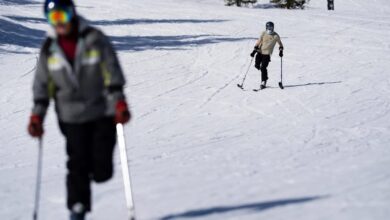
column 264, row 48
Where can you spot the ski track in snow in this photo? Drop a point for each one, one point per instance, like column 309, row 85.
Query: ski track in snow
column 201, row 148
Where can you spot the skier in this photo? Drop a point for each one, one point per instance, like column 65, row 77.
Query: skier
column 79, row 69
column 264, row 48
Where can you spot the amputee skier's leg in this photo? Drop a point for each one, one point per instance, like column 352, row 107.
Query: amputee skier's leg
column 264, row 64
column 104, row 139
column 78, row 142
column 258, row 61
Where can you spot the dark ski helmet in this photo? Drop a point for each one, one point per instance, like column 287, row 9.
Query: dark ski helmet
column 269, row 26
column 67, row 5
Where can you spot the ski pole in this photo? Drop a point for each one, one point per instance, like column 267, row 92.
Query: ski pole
column 125, row 171
column 243, row 80
column 281, row 73
column 38, row 180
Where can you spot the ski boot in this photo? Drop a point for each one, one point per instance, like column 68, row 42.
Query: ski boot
column 263, row 85
column 78, row 212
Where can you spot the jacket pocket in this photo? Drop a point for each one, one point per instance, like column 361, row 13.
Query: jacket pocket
column 91, row 57
column 54, row 63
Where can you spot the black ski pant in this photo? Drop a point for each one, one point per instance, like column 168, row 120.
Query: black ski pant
column 90, row 149
column 261, row 63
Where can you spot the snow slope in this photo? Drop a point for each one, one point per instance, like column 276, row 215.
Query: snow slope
column 200, row 148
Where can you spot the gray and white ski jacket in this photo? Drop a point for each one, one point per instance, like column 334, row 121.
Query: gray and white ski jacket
column 86, row 91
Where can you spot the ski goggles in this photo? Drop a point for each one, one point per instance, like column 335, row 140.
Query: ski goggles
column 59, row 16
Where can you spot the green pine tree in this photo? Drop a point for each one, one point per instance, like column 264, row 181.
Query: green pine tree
column 239, row 3
column 291, row 4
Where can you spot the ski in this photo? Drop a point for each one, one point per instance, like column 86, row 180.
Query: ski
column 261, row 88
column 257, row 90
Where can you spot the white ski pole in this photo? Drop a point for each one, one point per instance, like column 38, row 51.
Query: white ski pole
column 125, row 171
column 38, row 180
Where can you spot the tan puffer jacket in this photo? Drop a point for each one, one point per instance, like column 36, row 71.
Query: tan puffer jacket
column 267, row 42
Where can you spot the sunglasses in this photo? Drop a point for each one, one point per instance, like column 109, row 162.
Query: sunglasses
column 59, row 16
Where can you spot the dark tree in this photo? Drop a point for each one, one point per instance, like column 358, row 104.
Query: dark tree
column 239, row 3
column 291, row 4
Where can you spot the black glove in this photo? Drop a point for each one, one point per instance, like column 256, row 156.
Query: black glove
column 254, row 51
column 281, row 51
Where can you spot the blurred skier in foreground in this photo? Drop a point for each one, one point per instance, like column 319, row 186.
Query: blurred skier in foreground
column 79, row 69
column 264, row 48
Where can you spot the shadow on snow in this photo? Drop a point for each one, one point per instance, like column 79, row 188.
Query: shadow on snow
column 155, row 21
column 18, row 2
column 140, row 43
column 126, row 21
column 17, row 34
column 312, row 84
column 26, row 19
column 266, row 6
column 258, row 207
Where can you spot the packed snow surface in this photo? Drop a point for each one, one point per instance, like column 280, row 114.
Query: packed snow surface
column 199, row 147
